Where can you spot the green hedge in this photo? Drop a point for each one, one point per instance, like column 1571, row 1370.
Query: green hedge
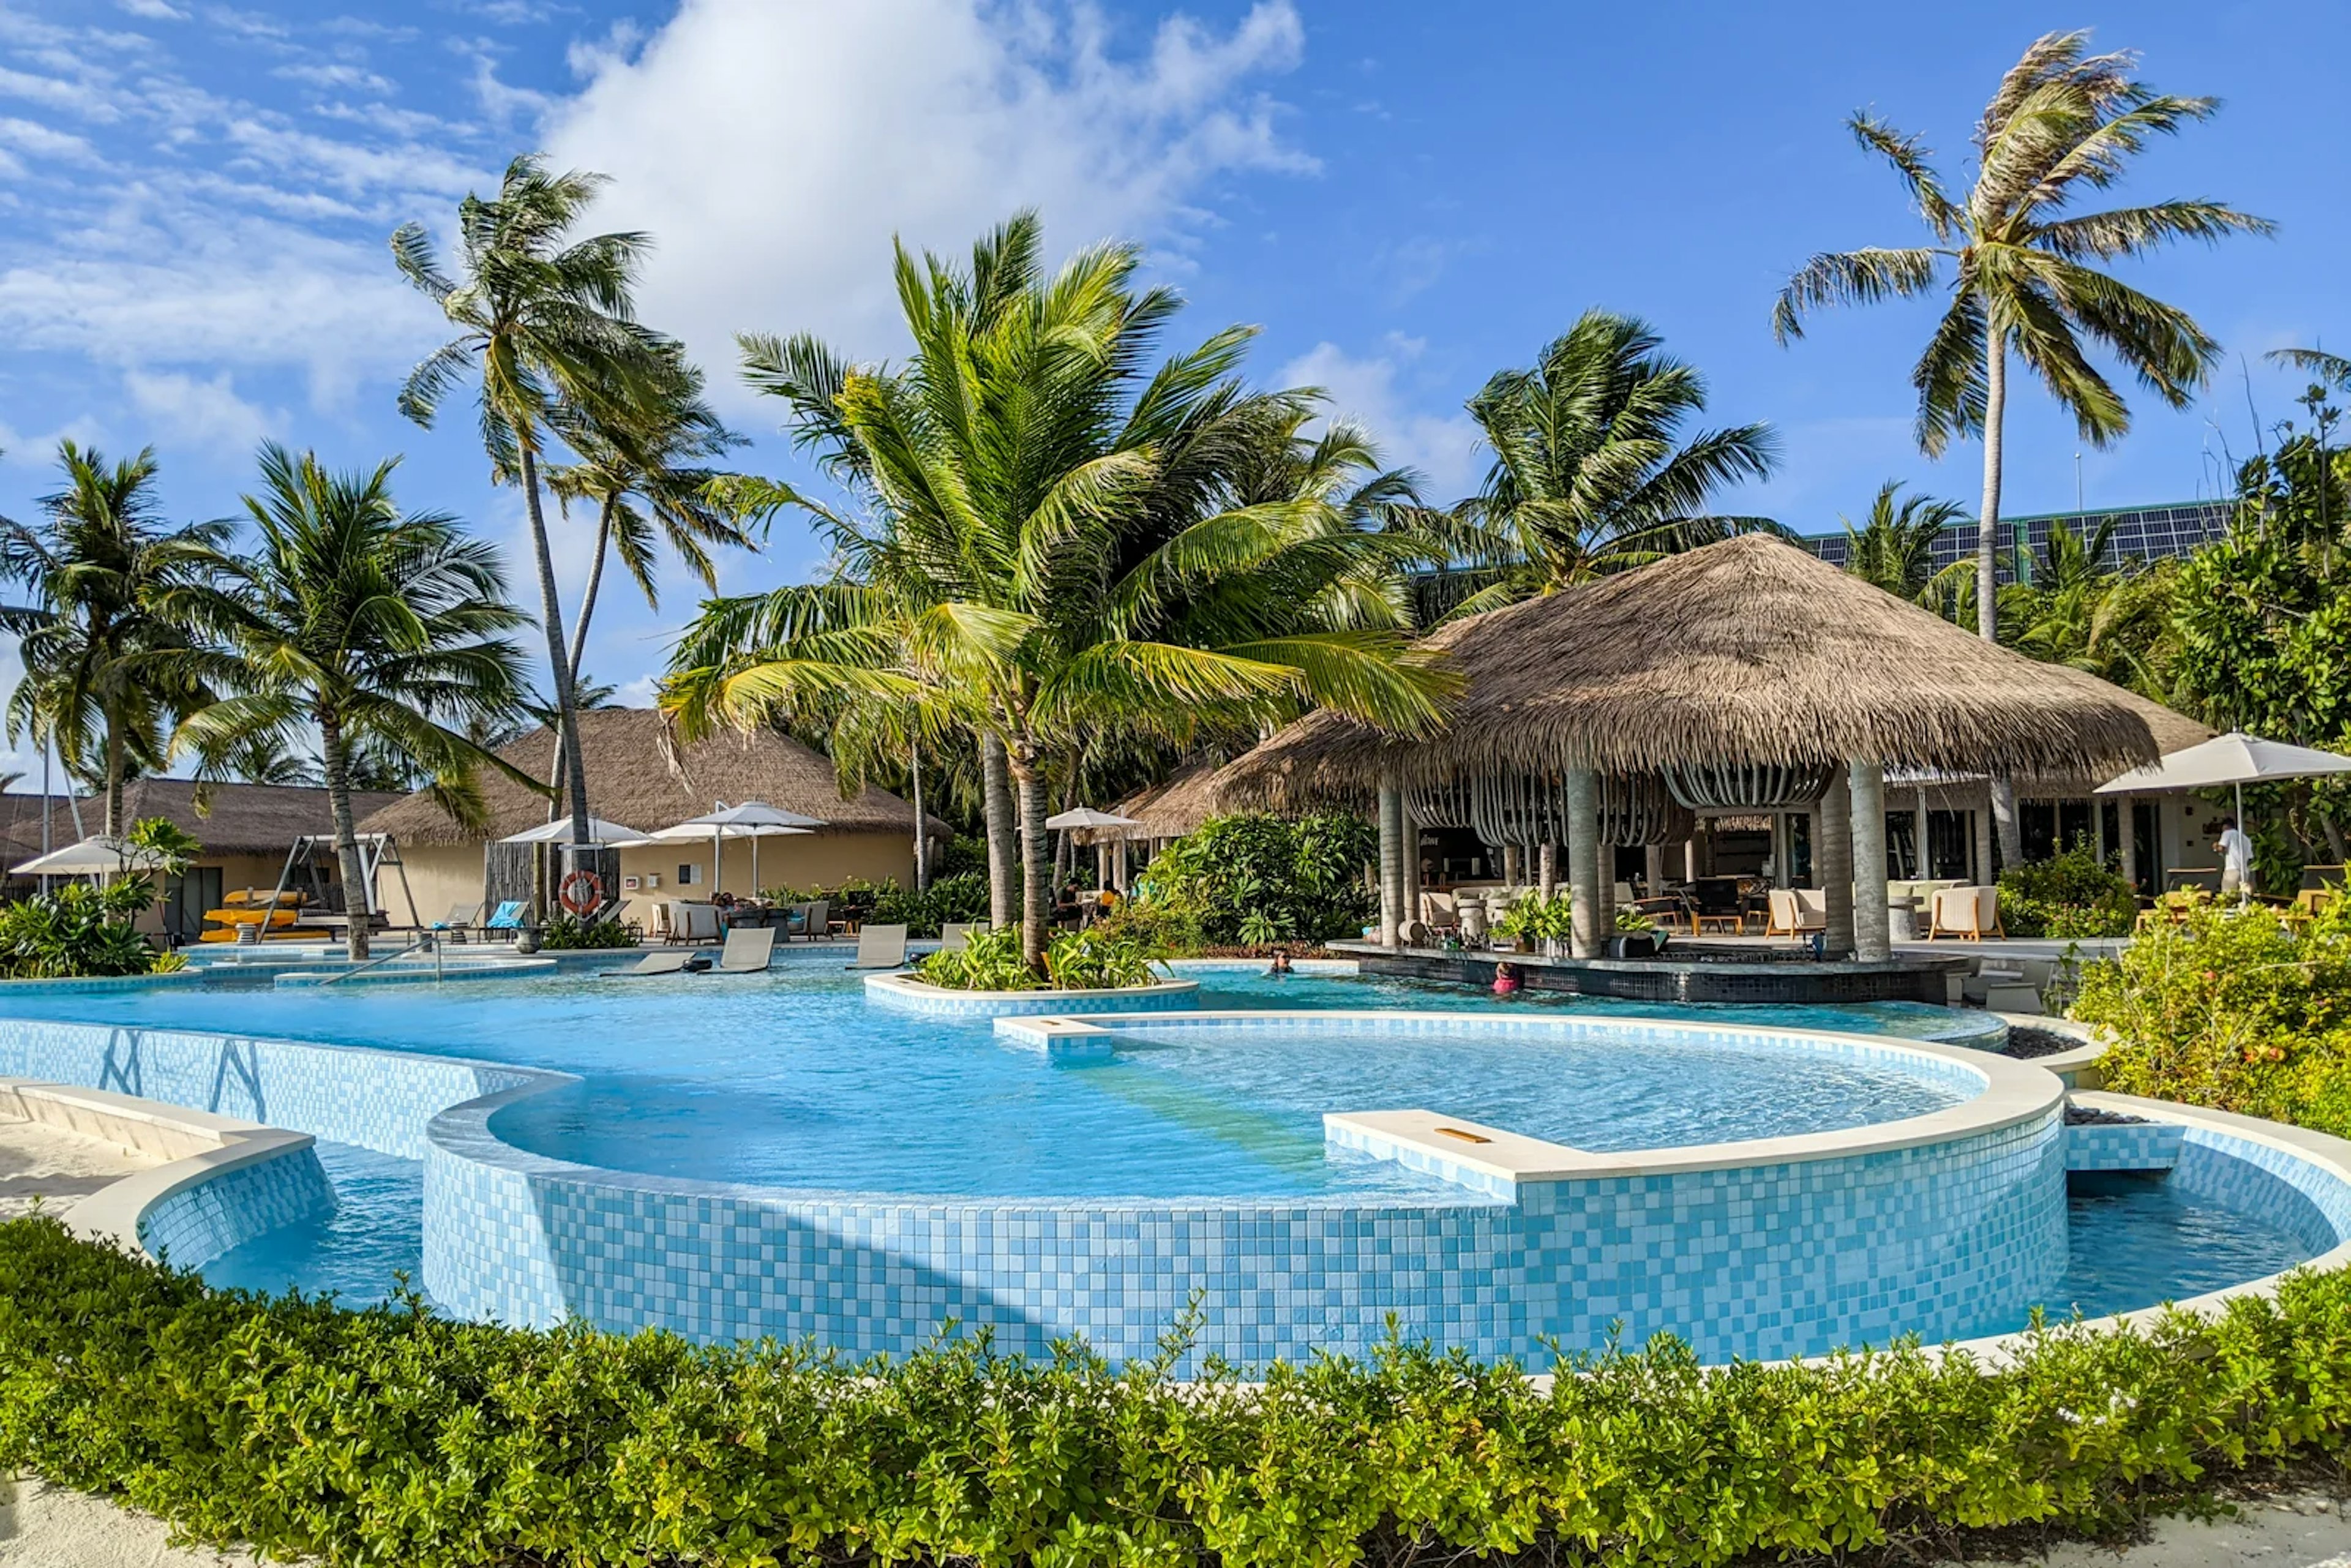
column 393, row 1436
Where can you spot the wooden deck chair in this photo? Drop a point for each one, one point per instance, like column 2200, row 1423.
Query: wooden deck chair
column 881, row 948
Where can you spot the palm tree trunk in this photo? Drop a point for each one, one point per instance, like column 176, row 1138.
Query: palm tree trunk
column 995, row 789
column 113, row 779
column 2003, row 792
column 550, row 614
column 921, row 833
column 1036, row 854
column 579, row 644
column 336, row 761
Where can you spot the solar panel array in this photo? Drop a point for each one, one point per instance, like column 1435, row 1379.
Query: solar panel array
column 2143, row 533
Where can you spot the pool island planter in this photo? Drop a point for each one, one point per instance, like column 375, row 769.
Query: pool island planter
column 906, row 993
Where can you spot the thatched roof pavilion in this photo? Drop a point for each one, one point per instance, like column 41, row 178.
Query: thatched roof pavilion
column 1168, row 809
column 1751, row 652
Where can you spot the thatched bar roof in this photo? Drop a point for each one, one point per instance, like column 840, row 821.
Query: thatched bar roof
column 1168, row 809
column 640, row 776
column 1748, row 651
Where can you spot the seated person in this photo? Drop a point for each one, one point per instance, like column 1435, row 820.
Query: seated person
column 1281, row 965
column 1065, row 906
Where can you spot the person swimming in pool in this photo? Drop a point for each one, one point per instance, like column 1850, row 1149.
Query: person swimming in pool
column 1506, row 979
column 1281, row 965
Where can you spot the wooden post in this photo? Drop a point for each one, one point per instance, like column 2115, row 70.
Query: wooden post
column 1653, row 868
column 1871, row 940
column 1926, row 857
column 2098, row 830
column 1511, row 867
column 1980, row 873
column 1583, row 858
column 2127, row 818
column 1833, row 861
column 1548, row 878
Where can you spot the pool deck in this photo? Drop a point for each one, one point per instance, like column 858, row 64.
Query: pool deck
column 1726, row 971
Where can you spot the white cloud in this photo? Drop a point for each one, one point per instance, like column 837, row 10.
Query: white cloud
column 335, row 74
column 773, row 150
column 1444, row 447
column 205, row 412
column 43, row 142
column 153, row 10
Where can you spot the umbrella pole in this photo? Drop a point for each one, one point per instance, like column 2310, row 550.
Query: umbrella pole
column 755, row 865
column 718, row 861
column 2245, row 883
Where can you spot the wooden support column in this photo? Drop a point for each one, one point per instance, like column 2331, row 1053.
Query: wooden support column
column 1918, row 832
column 1583, row 858
column 1653, row 868
column 1870, row 940
column 2126, row 819
column 1512, row 870
column 1833, row 861
column 1980, row 873
column 1391, row 862
column 1547, row 878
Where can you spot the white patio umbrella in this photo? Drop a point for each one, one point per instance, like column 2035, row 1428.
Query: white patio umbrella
column 1087, row 817
column 558, row 831
column 97, row 856
column 753, row 820
column 2235, row 760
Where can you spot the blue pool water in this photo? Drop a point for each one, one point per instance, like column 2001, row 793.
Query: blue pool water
column 793, row 1080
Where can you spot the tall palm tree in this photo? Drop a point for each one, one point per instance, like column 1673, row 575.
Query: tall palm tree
column 1050, row 541
column 380, row 630
column 1590, row 474
column 104, row 673
column 1895, row 548
column 549, row 325
column 2020, row 269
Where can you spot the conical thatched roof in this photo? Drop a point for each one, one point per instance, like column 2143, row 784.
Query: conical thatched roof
column 639, row 775
column 1746, row 651
column 1168, row 809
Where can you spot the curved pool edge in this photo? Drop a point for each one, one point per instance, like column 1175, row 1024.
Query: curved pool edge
column 910, row 994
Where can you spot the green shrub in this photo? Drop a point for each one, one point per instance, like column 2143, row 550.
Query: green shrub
column 1074, row 960
column 1163, row 930
column 1545, row 919
column 2067, row 896
column 1260, row 879
column 76, row 931
column 2233, row 1010
column 568, row 930
column 395, row 1437
column 961, row 898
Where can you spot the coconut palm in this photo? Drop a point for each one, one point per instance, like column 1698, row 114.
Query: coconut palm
column 549, row 325
column 104, row 676
column 2019, row 266
column 1049, row 540
column 378, row 630
column 1895, row 548
column 1590, row 474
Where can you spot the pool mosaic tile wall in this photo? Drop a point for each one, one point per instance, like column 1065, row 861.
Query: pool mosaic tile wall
column 197, row 1224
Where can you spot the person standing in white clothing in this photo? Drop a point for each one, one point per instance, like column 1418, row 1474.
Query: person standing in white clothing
column 2236, row 859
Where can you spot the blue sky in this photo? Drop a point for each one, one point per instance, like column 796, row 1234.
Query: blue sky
column 194, row 200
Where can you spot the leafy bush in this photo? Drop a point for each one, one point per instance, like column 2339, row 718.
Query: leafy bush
column 2234, row 1011
column 1551, row 919
column 77, row 931
column 1162, row 929
column 393, row 1436
column 2067, row 896
column 961, row 898
column 1260, row 879
column 568, row 930
column 1074, row 960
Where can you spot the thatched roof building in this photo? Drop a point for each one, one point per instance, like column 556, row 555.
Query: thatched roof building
column 236, row 818
column 1168, row 809
column 640, row 776
column 1750, row 651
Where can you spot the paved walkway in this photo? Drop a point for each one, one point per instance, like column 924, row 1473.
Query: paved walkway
column 60, row 1168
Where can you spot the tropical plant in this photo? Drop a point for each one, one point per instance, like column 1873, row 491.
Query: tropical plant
column 1052, row 543
column 961, row 899
column 2233, row 1010
column 1256, row 880
column 103, row 676
column 2069, row 895
column 364, row 623
column 1538, row 917
column 989, row 960
column 77, row 930
column 1097, row 960
column 565, row 930
column 1591, row 472
column 2022, row 275
column 1630, row 921
column 1895, row 548
column 547, row 324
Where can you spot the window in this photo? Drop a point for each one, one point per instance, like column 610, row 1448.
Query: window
column 689, row 875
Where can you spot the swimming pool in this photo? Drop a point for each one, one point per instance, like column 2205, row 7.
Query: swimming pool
column 733, row 1156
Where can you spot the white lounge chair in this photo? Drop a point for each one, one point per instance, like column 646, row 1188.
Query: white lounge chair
column 747, row 951
column 1797, row 912
column 881, row 948
column 956, row 934
column 670, row 962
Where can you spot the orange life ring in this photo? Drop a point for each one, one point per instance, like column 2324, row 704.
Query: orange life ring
column 580, row 892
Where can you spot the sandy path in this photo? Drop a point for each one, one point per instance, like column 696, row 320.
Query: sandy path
column 37, row 1161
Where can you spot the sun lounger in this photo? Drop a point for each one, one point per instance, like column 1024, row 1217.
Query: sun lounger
column 956, row 936
column 881, row 948
column 746, row 952
column 458, row 924
column 508, row 917
column 670, row 962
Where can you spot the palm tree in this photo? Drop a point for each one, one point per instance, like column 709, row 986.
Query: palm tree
column 382, row 631
column 1896, row 549
column 1051, row 541
column 105, row 675
column 550, row 328
column 642, row 471
column 2021, row 273
column 1590, row 472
